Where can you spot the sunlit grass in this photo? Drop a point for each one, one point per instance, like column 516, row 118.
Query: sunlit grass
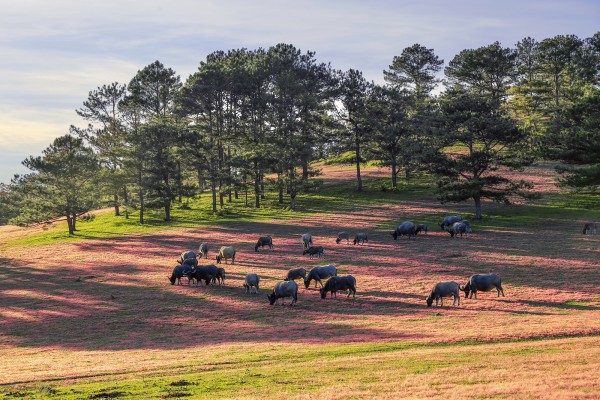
column 366, row 370
column 331, row 197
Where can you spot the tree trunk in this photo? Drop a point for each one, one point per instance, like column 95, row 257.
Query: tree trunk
column 477, row 207
column 126, row 201
column 256, row 185
column 305, row 169
column 70, row 223
column 358, row 177
column 141, row 197
column 230, row 173
column 200, row 178
column 74, row 221
column 293, row 200
column 168, row 210
column 168, row 197
column 179, row 182
column 116, row 204
column 394, row 174
column 280, row 184
column 213, row 190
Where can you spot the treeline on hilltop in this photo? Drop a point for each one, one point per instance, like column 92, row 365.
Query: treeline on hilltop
column 249, row 120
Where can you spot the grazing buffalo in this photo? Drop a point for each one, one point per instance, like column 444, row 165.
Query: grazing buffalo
column 421, row 228
column 179, row 272
column 282, row 290
column 206, row 273
column 306, row 240
column 449, row 220
column 251, row 282
column 336, row 283
column 406, row 228
column 203, row 250
column 483, row 283
column 220, row 276
column 314, row 250
column 188, row 258
column 360, row 238
column 341, row 236
column 441, row 290
column 318, row 273
column 462, row 228
column 295, row 273
column 590, row 228
column 264, row 241
column 226, row 252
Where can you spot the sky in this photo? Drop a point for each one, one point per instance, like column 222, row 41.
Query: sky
column 53, row 53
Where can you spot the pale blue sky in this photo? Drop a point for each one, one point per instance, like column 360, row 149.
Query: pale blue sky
column 52, row 53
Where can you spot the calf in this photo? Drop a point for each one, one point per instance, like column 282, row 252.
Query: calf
column 449, row 221
column 462, row 228
column 314, row 250
column 283, row 290
column 220, row 276
column 590, row 228
column 251, row 282
column 360, row 238
column 341, row 236
column 483, row 283
column 203, row 250
column 264, row 241
column 306, row 240
column 336, row 283
column 294, row 274
column 318, row 273
column 421, row 228
column 441, row 290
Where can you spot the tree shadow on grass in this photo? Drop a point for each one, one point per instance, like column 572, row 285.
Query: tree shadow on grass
column 113, row 293
column 88, row 313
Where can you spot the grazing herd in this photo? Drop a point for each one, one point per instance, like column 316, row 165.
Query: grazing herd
column 212, row 275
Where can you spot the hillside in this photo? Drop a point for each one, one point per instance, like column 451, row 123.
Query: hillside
column 95, row 316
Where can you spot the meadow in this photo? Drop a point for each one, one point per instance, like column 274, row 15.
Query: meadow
column 94, row 317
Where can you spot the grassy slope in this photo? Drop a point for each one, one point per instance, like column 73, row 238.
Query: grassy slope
column 524, row 369
column 71, row 340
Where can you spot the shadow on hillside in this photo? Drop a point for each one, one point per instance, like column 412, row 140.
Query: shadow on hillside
column 123, row 300
column 564, row 305
column 64, row 309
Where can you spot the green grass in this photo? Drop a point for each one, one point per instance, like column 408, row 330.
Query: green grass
column 331, row 197
column 270, row 371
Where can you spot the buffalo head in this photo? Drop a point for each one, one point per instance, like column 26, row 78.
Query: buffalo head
column 466, row 289
column 429, row 300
